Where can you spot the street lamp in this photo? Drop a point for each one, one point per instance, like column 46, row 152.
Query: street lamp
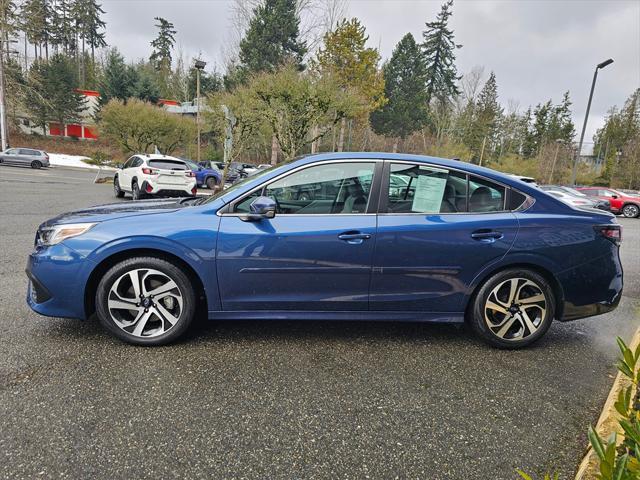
column 586, row 117
column 199, row 66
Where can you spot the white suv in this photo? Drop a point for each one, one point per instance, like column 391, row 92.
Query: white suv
column 145, row 174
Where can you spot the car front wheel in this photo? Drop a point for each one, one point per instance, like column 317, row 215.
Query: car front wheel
column 119, row 193
column 146, row 301
column 631, row 211
column 513, row 308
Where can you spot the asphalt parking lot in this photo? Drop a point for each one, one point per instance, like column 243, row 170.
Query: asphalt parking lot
column 285, row 399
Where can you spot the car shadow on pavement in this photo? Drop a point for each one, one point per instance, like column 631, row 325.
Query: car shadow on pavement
column 248, row 331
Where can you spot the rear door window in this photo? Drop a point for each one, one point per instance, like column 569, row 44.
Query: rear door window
column 167, row 164
column 485, row 196
column 417, row 188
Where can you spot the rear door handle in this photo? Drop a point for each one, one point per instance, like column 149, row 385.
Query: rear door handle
column 354, row 238
column 487, row 236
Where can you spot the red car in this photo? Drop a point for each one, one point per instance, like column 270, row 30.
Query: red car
column 621, row 203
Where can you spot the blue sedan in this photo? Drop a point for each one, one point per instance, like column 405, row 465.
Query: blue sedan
column 206, row 176
column 350, row 236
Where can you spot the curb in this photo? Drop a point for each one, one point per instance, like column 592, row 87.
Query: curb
column 608, row 417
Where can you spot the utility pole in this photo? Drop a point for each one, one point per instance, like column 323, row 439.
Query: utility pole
column 555, row 159
column 3, row 117
column 484, row 141
column 199, row 66
column 574, row 172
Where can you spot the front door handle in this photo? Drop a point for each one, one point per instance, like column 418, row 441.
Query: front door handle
column 487, row 236
column 354, row 238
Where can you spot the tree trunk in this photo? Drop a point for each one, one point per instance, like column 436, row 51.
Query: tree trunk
column 314, row 133
column 274, row 150
column 395, row 146
column 343, row 126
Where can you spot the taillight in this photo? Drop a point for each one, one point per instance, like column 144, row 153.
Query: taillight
column 190, row 173
column 194, row 190
column 150, row 171
column 149, row 188
column 610, row 232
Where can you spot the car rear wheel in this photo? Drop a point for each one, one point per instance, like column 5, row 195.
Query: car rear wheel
column 146, row 301
column 136, row 193
column 630, row 210
column 36, row 164
column 211, row 183
column 513, row 308
column 119, row 193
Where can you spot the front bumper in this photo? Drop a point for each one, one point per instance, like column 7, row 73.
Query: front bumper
column 57, row 278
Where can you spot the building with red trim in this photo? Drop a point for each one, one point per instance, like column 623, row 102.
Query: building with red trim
column 85, row 129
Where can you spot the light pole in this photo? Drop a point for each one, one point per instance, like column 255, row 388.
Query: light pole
column 199, row 66
column 586, row 117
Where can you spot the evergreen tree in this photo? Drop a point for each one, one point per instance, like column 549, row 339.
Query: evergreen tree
column 488, row 113
column 54, row 97
column 118, row 79
column 90, row 25
column 34, row 14
column 163, row 45
column 146, row 86
column 439, row 50
column 404, row 87
column 354, row 66
column 272, row 38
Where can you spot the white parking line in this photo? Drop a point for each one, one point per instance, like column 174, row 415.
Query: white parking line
column 46, row 175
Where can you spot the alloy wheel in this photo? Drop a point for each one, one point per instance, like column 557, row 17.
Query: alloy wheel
column 515, row 309
column 631, row 211
column 145, row 302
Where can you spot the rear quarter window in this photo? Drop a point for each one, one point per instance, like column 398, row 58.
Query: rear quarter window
column 167, row 164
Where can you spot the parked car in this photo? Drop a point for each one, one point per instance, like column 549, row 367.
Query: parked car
column 576, row 198
column 25, row 156
column 621, row 203
column 154, row 175
column 471, row 244
column 206, row 176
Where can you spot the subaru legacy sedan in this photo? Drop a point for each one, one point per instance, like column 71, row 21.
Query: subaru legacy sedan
column 389, row 237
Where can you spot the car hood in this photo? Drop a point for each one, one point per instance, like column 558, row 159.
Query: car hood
column 101, row 213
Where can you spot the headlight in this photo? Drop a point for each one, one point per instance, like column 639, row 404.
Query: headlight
column 58, row 233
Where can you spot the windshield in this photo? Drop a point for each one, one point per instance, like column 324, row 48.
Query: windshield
column 168, row 164
column 235, row 186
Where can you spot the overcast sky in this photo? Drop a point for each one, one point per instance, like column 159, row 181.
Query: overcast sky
column 538, row 49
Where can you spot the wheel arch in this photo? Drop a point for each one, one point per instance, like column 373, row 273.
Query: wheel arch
column 558, row 292
column 105, row 264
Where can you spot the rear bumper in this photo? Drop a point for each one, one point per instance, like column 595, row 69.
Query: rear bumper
column 169, row 190
column 593, row 288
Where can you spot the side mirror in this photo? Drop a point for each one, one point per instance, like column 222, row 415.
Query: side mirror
column 261, row 207
column 614, row 196
column 200, row 169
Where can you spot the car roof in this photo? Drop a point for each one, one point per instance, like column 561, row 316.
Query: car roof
column 156, row 156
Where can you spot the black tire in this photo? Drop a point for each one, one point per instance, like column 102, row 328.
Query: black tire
column 119, row 193
column 529, row 284
column 174, row 331
column 631, row 210
column 211, row 183
column 37, row 164
column 136, row 193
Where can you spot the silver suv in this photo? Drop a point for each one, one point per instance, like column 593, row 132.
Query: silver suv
column 25, row 156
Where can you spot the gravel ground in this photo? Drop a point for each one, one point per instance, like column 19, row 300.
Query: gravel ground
column 284, row 399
